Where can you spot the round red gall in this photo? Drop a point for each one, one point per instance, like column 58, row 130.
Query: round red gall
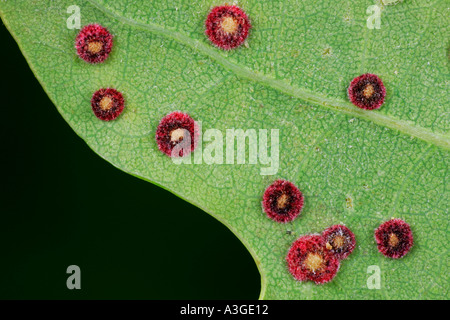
column 94, row 43
column 177, row 134
column 367, row 91
column 107, row 104
column 339, row 240
column 309, row 259
column 227, row 26
column 394, row 238
column 282, row 201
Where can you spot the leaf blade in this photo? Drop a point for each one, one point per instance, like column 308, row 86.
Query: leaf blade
column 321, row 143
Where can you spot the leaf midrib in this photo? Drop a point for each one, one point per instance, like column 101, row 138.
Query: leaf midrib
column 406, row 127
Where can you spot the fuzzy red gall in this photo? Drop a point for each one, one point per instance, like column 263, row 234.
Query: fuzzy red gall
column 227, row 26
column 107, row 104
column 339, row 240
column 282, row 201
column 394, row 238
column 94, row 43
column 177, row 134
column 367, row 91
column 309, row 259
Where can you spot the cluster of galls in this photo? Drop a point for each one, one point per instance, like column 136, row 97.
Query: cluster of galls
column 317, row 257
column 227, row 27
column 311, row 257
column 94, row 44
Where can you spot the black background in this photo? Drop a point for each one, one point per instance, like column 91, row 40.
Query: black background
column 61, row 204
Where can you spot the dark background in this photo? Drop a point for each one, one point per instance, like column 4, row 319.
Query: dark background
column 61, row 204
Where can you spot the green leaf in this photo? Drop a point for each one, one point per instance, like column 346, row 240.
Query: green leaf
column 354, row 167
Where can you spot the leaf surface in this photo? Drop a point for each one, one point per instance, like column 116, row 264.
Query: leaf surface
column 354, row 167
